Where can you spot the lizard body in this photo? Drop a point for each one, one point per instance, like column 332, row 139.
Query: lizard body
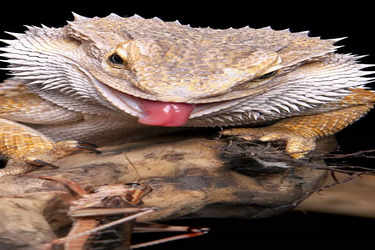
column 97, row 78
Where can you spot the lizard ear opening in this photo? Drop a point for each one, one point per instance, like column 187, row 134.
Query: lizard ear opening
column 266, row 76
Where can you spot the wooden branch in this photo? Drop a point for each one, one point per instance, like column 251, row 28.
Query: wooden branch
column 191, row 176
column 353, row 198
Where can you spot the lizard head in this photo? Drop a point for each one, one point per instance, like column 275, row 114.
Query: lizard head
column 165, row 73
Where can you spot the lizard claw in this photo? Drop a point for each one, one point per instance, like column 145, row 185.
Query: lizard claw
column 39, row 163
column 73, row 146
column 89, row 147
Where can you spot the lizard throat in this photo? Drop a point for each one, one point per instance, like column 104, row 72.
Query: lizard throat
column 154, row 113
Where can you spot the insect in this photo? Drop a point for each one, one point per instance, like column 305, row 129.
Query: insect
column 124, row 200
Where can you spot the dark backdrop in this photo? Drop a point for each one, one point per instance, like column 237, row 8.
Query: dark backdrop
column 350, row 19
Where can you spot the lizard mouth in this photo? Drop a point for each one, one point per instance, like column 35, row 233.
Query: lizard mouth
column 159, row 113
column 155, row 113
column 166, row 114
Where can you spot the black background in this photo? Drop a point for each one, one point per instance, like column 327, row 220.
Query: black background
column 328, row 19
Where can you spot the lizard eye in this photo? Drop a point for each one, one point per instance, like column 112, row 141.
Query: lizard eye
column 116, row 59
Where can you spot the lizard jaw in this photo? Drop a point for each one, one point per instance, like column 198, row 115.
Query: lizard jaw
column 155, row 113
column 160, row 113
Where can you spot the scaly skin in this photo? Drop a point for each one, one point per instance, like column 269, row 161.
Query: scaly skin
column 99, row 77
column 301, row 132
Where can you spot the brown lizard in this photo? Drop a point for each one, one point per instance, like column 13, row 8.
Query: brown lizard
column 99, row 78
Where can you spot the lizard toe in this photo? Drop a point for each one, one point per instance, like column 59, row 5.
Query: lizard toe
column 249, row 134
column 297, row 146
column 71, row 146
column 88, row 147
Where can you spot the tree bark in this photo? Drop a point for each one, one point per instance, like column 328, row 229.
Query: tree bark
column 352, row 198
column 190, row 177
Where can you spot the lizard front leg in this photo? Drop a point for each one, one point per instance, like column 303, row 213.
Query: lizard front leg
column 301, row 132
column 27, row 148
column 24, row 146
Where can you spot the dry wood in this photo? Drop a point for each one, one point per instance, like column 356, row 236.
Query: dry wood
column 354, row 198
column 190, row 176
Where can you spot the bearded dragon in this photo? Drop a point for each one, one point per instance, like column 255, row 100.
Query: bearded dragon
column 99, row 78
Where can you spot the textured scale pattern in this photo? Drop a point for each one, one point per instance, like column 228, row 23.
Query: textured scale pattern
column 91, row 79
column 20, row 142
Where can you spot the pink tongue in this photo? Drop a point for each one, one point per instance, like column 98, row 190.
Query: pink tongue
column 168, row 114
